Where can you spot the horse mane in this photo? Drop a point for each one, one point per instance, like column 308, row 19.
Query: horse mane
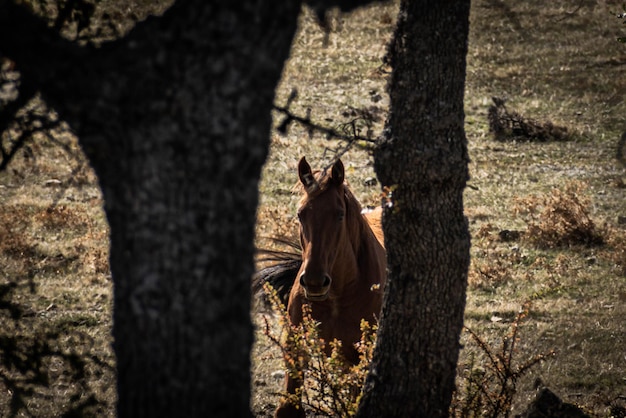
column 322, row 180
column 356, row 222
column 322, row 184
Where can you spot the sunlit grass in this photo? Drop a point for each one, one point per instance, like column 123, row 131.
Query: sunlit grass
column 556, row 62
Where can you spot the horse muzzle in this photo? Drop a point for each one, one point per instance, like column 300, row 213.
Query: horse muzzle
column 313, row 291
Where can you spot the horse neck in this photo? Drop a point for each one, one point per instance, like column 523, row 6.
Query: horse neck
column 356, row 247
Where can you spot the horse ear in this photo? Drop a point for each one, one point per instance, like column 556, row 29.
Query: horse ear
column 306, row 175
column 337, row 173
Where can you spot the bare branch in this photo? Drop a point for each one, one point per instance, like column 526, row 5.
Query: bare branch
column 350, row 132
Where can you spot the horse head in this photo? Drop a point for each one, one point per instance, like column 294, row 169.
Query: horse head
column 323, row 226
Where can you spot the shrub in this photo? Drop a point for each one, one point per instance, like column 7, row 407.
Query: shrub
column 560, row 218
column 487, row 388
column 332, row 387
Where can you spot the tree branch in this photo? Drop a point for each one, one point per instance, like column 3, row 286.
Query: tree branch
column 313, row 127
column 40, row 53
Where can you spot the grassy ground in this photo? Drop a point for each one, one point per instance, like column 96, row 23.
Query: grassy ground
column 53, row 253
column 555, row 61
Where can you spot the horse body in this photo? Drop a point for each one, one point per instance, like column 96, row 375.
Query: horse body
column 343, row 268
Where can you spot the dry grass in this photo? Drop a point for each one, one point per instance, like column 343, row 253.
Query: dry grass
column 489, row 375
column 56, row 290
column 558, row 64
column 555, row 61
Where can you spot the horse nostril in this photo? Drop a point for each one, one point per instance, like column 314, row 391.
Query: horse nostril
column 327, row 281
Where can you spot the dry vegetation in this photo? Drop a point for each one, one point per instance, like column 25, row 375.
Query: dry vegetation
column 332, row 387
column 555, row 62
column 544, row 214
column 55, row 288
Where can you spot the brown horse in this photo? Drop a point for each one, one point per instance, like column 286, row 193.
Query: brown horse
column 343, row 267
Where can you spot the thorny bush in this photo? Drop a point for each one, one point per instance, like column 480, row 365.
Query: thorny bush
column 487, row 388
column 332, row 387
column 560, row 218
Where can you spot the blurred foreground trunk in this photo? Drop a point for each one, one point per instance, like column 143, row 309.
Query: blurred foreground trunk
column 175, row 119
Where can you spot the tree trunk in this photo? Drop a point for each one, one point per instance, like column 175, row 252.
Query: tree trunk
column 175, row 119
column 422, row 160
column 181, row 201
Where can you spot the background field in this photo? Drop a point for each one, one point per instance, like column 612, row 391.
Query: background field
column 554, row 61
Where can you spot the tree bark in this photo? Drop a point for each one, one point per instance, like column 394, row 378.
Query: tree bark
column 175, row 119
column 422, row 160
column 181, row 205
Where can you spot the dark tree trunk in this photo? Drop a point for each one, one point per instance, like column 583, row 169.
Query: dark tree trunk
column 181, row 201
column 175, row 119
column 422, row 160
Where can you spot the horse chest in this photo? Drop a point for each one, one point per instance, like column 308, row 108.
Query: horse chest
column 338, row 322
